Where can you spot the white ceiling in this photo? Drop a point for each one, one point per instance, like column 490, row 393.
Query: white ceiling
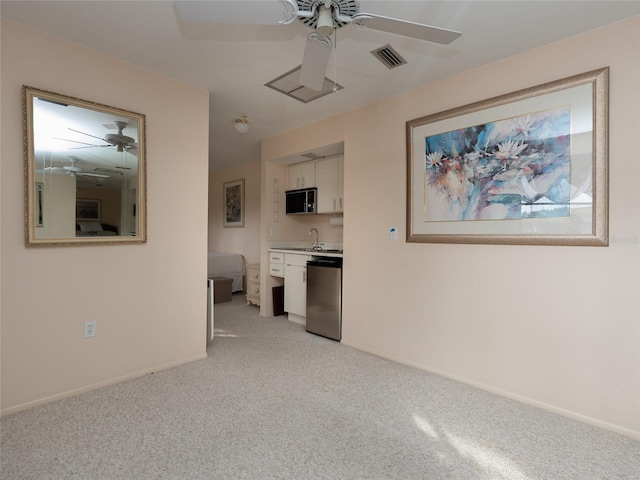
column 233, row 62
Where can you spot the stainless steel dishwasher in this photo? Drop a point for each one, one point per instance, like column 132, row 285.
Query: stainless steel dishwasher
column 324, row 297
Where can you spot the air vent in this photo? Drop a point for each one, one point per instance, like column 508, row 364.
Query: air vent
column 388, row 56
column 289, row 84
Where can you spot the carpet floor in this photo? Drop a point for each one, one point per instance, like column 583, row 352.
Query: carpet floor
column 275, row 402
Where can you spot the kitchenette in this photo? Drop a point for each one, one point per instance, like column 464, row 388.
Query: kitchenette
column 305, row 271
column 312, row 281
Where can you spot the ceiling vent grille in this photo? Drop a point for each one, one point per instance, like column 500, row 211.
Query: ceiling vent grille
column 389, row 56
column 289, row 84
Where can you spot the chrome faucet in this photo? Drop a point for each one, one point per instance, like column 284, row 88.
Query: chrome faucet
column 316, row 245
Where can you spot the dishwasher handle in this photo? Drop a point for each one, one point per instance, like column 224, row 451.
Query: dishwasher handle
column 329, row 262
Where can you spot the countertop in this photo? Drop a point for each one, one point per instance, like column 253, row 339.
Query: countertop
column 307, row 251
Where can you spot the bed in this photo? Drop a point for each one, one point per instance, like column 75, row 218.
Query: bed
column 230, row 265
column 86, row 228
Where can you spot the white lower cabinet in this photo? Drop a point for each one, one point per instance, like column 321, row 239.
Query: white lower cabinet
column 276, row 264
column 295, row 284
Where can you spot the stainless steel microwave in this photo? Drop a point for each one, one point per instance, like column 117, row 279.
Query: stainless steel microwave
column 300, row 201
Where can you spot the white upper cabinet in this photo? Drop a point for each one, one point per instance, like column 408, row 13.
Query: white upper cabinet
column 301, row 175
column 330, row 183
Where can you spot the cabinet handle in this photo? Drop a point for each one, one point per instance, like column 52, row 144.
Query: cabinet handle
column 341, row 207
column 334, row 204
column 304, row 276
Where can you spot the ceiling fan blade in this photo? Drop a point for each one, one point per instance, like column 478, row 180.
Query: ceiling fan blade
column 90, row 146
column 75, row 141
column 315, row 61
column 92, row 175
column 88, row 135
column 406, row 28
column 254, row 12
column 54, row 170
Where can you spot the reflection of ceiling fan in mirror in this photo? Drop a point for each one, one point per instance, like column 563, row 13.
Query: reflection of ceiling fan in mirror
column 323, row 16
column 73, row 170
column 119, row 140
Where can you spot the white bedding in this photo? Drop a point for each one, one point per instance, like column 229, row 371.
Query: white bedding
column 230, row 265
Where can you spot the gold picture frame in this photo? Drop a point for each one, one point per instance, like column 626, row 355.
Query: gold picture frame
column 233, row 203
column 529, row 167
column 74, row 150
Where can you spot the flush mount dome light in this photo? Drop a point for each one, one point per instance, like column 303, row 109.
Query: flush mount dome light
column 242, row 125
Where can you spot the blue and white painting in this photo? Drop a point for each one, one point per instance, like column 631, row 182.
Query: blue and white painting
column 504, row 170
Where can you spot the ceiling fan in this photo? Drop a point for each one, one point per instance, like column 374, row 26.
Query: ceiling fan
column 323, row 16
column 119, row 140
column 73, row 170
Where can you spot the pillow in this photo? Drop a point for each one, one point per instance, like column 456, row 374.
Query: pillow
column 90, row 226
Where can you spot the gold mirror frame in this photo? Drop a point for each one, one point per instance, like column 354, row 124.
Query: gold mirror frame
column 98, row 154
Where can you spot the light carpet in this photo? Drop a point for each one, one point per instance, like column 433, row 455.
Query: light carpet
column 275, row 402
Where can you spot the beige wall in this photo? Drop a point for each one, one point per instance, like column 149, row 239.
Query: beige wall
column 557, row 327
column 245, row 241
column 149, row 300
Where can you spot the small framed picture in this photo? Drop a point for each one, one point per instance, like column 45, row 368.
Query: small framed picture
column 233, row 203
column 87, row 209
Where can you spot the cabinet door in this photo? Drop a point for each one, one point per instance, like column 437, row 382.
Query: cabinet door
column 329, row 177
column 301, row 175
column 308, row 174
column 295, row 290
column 340, row 201
column 293, row 177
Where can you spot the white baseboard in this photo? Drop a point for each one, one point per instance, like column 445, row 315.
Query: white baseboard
column 503, row 393
column 94, row 386
column 297, row 319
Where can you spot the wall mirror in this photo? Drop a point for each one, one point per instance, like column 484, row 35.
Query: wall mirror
column 84, row 172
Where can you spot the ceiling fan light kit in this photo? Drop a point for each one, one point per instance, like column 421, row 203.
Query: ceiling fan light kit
column 119, row 140
column 242, row 125
column 325, row 22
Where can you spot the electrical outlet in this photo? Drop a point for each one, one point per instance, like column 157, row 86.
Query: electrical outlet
column 90, row 329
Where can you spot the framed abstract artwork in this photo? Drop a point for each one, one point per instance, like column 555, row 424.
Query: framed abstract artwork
column 529, row 167
column 234, row 203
